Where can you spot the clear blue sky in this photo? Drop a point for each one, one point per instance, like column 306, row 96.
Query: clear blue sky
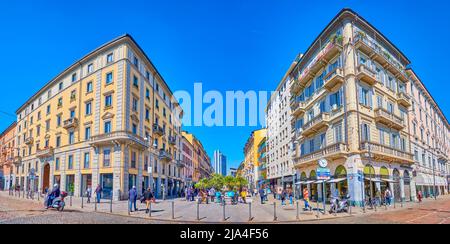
column 227, row 45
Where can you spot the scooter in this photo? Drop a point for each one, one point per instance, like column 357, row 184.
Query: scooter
column 339, row 206
column 58, row 203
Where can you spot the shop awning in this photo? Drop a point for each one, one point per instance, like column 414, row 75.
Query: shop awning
column 424, row 180
column 308, row 182
column 319, row 182
column 337, row 180
column 389, row 181
column 373, row 179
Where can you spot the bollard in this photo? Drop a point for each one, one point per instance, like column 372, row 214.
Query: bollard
column 111, row 204
column 71, row 200
column 95, row 206
column 401, row 204
column 198, row 211
column 224, row 217
column 250, row 212
column 82, row 201
column 298, row 212
column 150, row 210
column 38, row 196
column 128, row 207
column 275, row 218
column 173, row 210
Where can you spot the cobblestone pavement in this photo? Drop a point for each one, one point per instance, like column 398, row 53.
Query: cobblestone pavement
column 20, row 210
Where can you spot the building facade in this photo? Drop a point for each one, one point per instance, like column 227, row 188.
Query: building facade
column 280, row 167
column 251, row 161
column 8, row 163
column 220, row 163
column 200, row 159
column 350, row 110
column 262, row 158
column 110, row 119
column 233, row 172
column 429, row 139
column 187, row 154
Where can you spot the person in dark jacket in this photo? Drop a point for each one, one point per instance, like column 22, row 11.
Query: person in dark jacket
column 98, row 193
column 132, row 196
column 148, row 196
column 262, row 195
column 53, row 195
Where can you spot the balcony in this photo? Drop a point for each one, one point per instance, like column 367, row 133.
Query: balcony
column 441, row 155
column 331, row 49
column 158, row 130
column 333, row 79
column 180, row 164
column 164, row 156
column 45, row 153
column 391, row 120
column 298, row 108
column 404, row 99
column 316, row 124
column 332, row 152
column 119, row 137
column 296, row 87
column 71, row 123
column 29, row 140
column 172, row 140
column 17, row 160
column 386, row 153
column 367, row 75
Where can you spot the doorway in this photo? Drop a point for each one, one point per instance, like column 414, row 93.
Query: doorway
column 46, row 178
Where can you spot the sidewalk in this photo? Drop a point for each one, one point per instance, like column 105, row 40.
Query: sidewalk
column 186, row 212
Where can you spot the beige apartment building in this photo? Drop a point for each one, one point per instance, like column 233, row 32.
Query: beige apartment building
column 350, row 109
column 429, row 139
column 109, row 119
column 8, row 159
column 200, row 160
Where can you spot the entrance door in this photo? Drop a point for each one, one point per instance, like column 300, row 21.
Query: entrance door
column 107, row 185
column 407, row 186
column 46, row 178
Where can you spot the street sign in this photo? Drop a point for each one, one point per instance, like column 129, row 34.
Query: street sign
column 323, row 174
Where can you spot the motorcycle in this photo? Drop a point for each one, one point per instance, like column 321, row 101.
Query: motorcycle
column 58, row 203
column 339, row 206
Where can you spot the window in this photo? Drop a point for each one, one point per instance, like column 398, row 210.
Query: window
column 72, row 114
column 106, row 157
column 89, row 87
column 135, row 82
column 90, row 68
column 48, row 109
column 70, row 162
column 107, row 127
column 365, row 133
column 338, row 133
column 147, row 93
column 136, row 62
column 311, row 146
column 108, row 101
column 87, row 160
column 365, row 97
column 88, row 108
column 71, row 137
column 110, row 58
column 134, row 129
column 381, row 135
column 58, row 120
column 47, row 125
column 74, row 77
column 133, row 160
column 60, row 102
column 61, row 86
column 58, row 141
column 147, row 75
column 147, row 114
column 109, row 78
column 335, row 100
column 57, row 164
column 87, row 133
column 135, row 104
column 157, row 103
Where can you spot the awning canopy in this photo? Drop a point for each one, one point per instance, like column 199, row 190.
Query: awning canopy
column 389, row 181
column 424, row 180
column 337, row 180
column 373, row 179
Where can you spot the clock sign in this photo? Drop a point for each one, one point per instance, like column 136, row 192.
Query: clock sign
column 323, row 163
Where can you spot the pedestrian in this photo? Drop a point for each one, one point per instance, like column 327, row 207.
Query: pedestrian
column 244, row 196
column 98, row 193
column 148, row 196
column 255, row 192
column 419, row 196
column 132, row 196
column 283, row 197
column 306, row 199
column 274, row 194
column 266, row 193
column 212, row 194
column 88, row 194
column 262, row 195
column 291, row 197
column 387, row 196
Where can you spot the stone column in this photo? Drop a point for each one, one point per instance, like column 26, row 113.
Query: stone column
column 77, row 180
column 95, row 169
column 402, row 189
column 117, row 174
column 139, row 177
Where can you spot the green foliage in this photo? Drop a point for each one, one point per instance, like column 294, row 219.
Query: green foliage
column 218, row 182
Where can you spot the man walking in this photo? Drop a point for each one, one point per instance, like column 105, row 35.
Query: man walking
column 132, row 196
column 98, row 193
column 262, row 195
column 148, row 196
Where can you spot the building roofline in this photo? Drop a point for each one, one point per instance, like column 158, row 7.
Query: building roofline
column 339, row 16
column 5, row 131
column 124, row 38
column 431, row 96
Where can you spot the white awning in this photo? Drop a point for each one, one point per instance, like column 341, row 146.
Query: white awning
column 389, row 181
column 337, row 180
column 309, row 182
column 373, row 179
column 424, row 180
column 319, row 182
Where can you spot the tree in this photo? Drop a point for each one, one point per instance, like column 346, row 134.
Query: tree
column 217, row 182
column 230, row 182
column 202, row 184
column 241, row 182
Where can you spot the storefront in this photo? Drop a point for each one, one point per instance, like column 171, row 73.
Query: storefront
column 106, row 182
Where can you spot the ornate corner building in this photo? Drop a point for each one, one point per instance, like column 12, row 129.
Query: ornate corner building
column 352, row 104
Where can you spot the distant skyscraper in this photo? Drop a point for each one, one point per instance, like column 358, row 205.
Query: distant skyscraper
column 220, row 163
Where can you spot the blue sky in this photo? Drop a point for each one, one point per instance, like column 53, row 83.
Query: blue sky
column 227, row 45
